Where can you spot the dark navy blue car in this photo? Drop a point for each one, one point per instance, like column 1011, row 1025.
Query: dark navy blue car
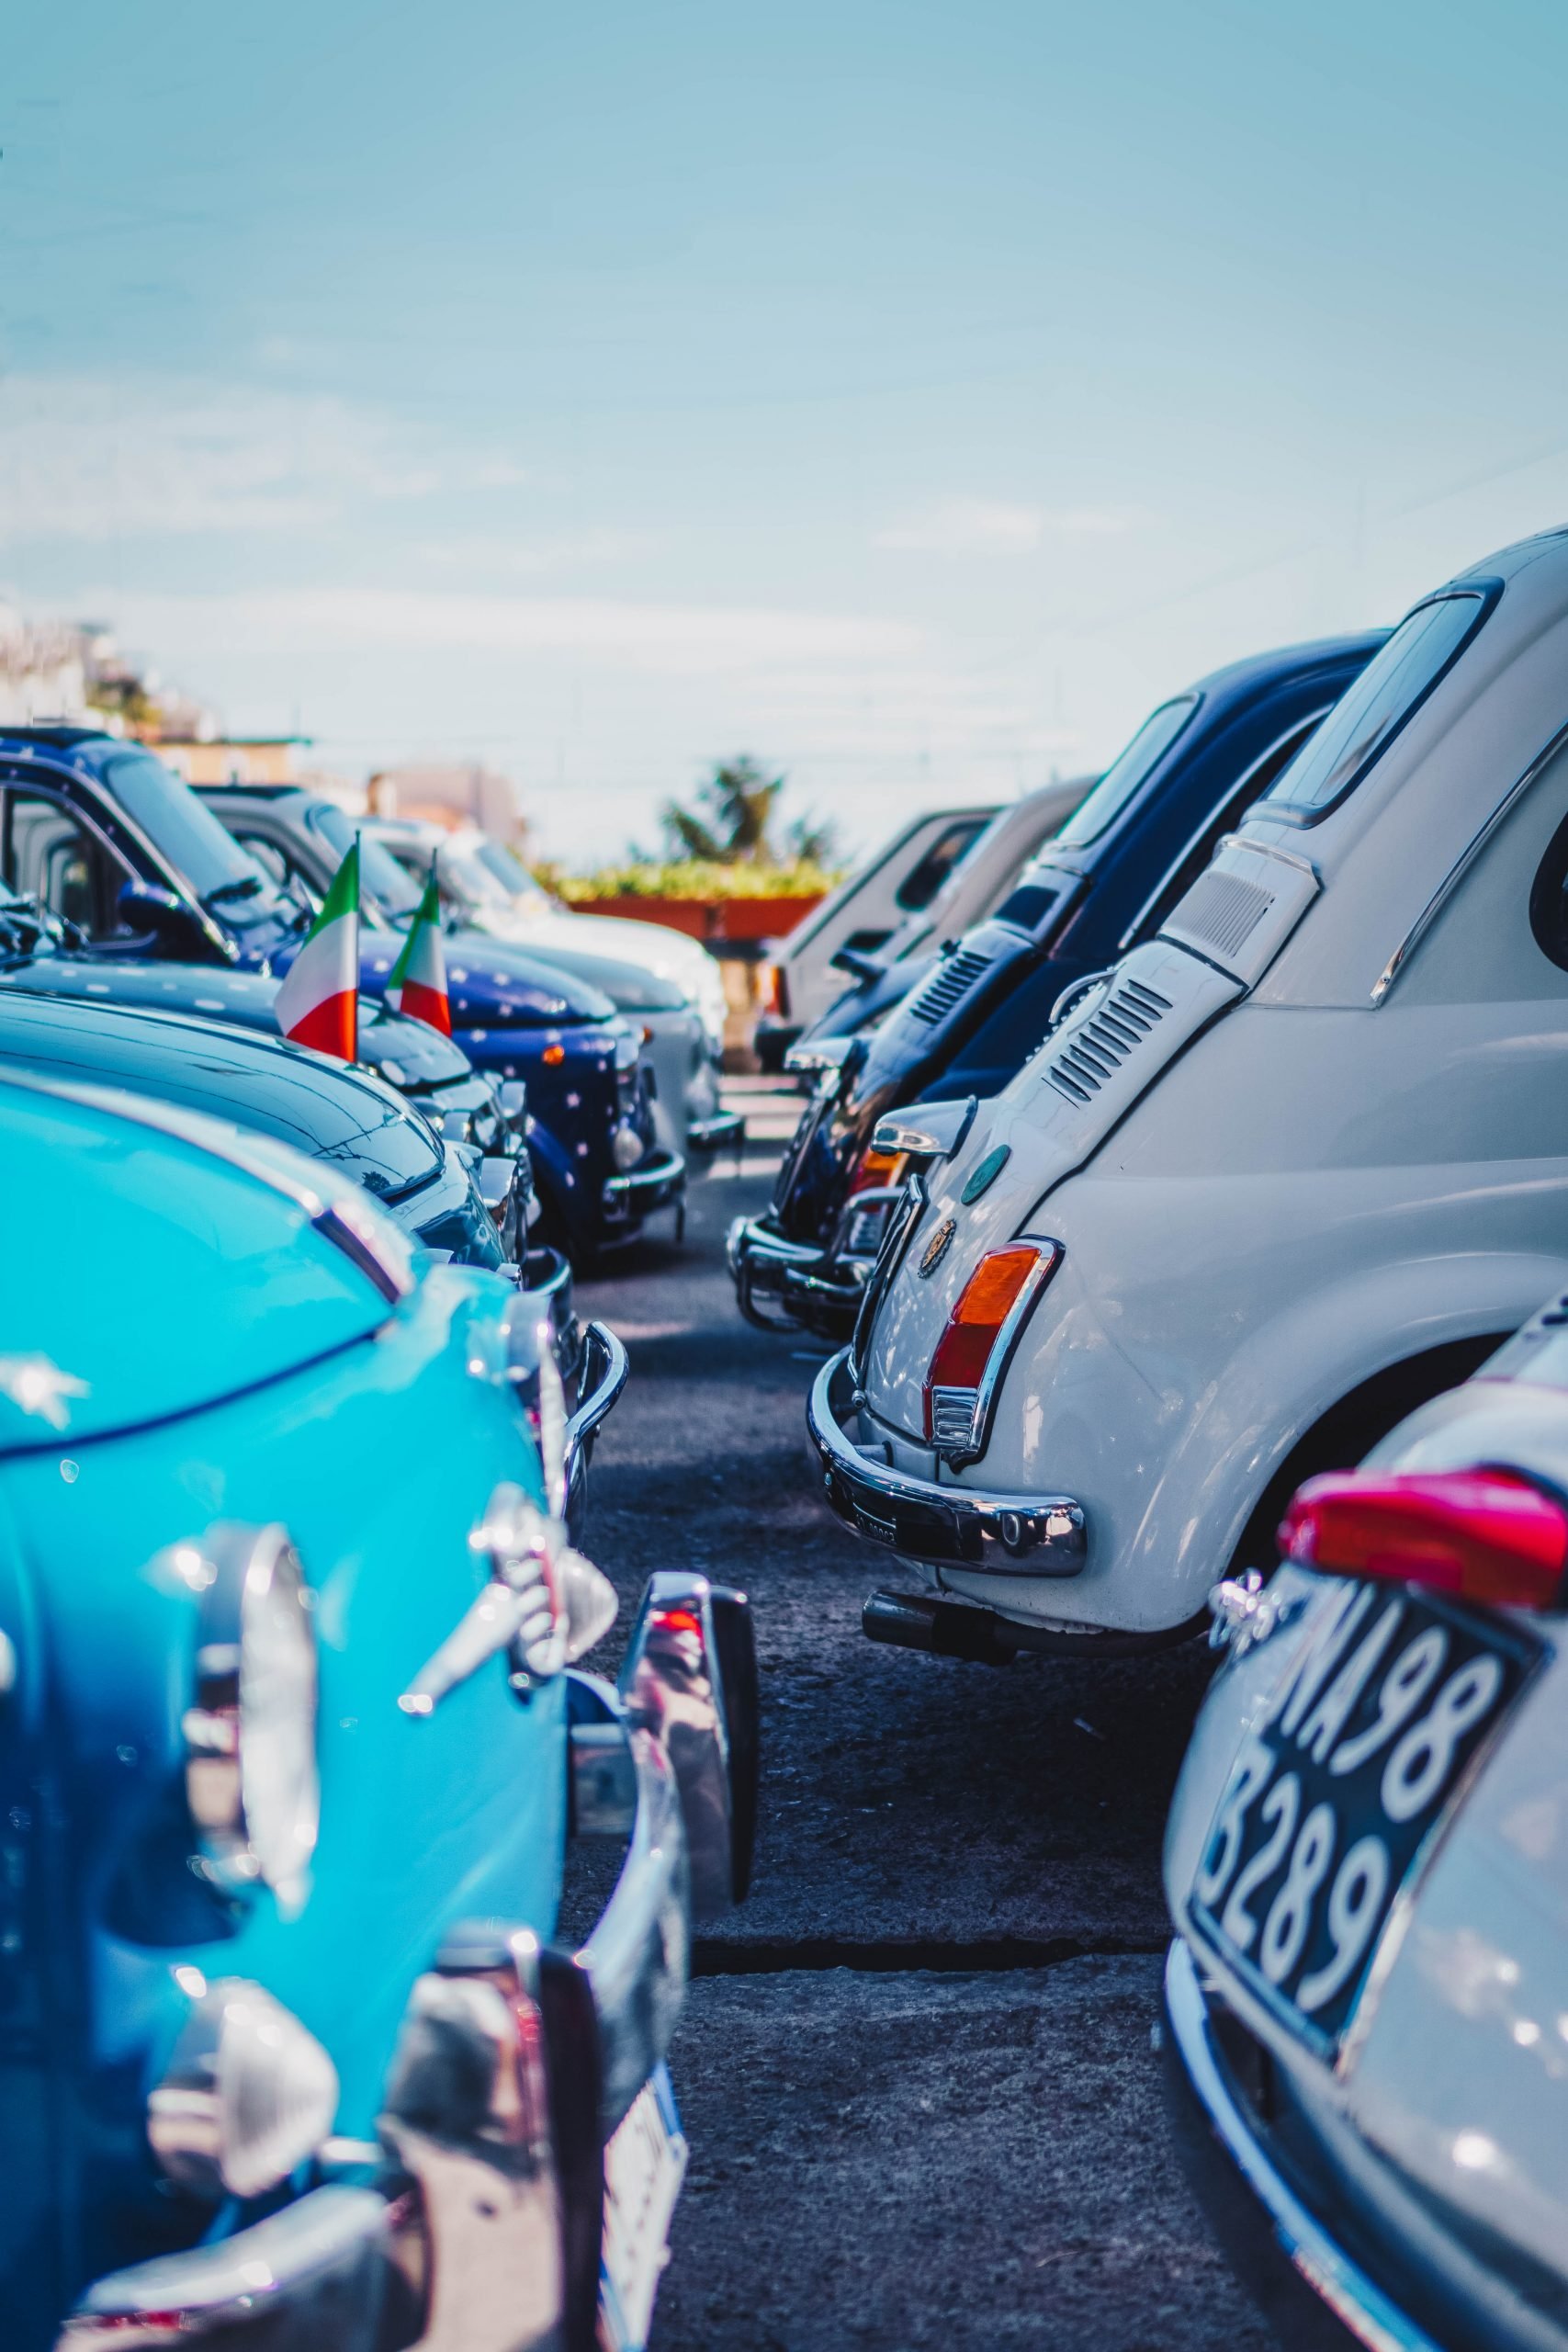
column 112, row 842
column 972, row 1020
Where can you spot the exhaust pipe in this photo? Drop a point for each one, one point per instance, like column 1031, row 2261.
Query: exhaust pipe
column 913, row 1621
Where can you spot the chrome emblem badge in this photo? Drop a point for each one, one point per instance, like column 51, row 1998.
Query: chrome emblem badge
column 938, row 1245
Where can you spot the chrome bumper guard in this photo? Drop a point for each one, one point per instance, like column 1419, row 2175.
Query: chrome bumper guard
column 602, row 1375
column 543, row 1280
column 725, row 1131
column 478, row 2229
column 1018, row 1535
column 658, row 1179
column 1303, row 2254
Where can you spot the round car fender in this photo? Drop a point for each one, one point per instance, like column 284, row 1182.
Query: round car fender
column 1291, row 1371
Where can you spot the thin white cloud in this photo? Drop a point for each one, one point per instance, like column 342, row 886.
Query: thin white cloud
column 88, row 459
column 492, row 554
column 676, row 639
column 996, row 526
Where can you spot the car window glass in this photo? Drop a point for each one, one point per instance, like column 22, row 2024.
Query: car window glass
column 1366, row 719
column 180, row 824
column 1231, row 807
column 381, row 878
column 1126, row 772
column 49, row 853
column 921, row 884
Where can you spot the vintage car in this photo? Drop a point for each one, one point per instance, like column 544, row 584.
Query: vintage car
column 984, row 877
column 488, row 888
column 803, row 974
column 107, row 837
column 300, row 838
column 1294, row 1165
column 1104, row 881
column 290, row 1749
column 1367, row 1861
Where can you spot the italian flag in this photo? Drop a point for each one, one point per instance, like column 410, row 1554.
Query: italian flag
column 319, row 1000
column 418, row 985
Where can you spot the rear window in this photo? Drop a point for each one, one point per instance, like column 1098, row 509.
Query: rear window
column 920, row 886
column 1389, row 692
column 1125, row 774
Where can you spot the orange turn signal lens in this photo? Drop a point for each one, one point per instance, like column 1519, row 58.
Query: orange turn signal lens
column 553, row 1056
column 878, row 1169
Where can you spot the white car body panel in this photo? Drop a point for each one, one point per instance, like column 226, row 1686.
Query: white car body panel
column 1284, row 1188
column 866, row 902
column 1451, row 2084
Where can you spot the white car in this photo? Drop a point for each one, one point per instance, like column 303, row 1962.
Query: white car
column 490, row 888
column 859, row 917
column 1367, row 1862
column 1293, row 1166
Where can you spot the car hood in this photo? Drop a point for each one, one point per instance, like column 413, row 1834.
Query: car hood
column 163, row 1276
column 490, row 983
column 407, row 1054
column 632, row 987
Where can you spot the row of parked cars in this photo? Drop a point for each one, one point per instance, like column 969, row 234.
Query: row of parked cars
column 1221, row 1152
column 296, row 1739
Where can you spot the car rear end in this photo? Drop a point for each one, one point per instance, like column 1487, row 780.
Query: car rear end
column 1367, row 1860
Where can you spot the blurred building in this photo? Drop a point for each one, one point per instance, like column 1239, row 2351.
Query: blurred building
column 455, row 796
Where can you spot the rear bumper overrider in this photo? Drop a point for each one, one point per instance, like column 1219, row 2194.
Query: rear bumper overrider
column 658, row 1181
column 473, row 2225
column 725, row 1131
column 794, row 1285
column 919, row 1518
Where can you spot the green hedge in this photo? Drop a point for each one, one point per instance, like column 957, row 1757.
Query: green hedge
column 692, row 878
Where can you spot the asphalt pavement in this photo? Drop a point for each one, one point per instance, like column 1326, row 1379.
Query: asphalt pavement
column 916, row 2068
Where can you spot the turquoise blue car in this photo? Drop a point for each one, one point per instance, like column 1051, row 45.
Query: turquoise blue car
column 291, row 1744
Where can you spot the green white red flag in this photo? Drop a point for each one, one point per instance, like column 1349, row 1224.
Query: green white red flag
column 418, row 985
column 319, row 1000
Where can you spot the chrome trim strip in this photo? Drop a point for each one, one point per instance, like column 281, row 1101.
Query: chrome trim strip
column 724, row 1131
column 637, row 1956
column 1001, row 1535
column 1355, row 2299
column 1460, row 867
column 603, row 1377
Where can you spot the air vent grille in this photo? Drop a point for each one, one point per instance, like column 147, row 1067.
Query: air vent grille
column 1223, row 910
column 949, row 984
column 1097, row 1050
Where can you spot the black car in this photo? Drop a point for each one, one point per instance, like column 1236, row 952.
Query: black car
column 114, row 842
column 1105, row 881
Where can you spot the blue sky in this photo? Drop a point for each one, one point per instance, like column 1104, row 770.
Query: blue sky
column 910, row 395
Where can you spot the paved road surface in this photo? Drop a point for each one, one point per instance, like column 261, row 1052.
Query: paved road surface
column 916, row 2068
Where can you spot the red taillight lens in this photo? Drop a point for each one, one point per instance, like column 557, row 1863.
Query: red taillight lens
column 878, row 1169
column 773, row 988
column 1481, row 1535
column 988, row 1308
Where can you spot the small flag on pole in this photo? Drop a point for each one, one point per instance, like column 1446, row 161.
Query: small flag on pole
column 418, row 985
column 319, row 1000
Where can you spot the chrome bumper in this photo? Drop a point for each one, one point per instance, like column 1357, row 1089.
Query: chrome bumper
column 1293, row 2251
column 725, row 1131
column 478, row 2229
column 793, row 1285
column 657, row 1181
column 1014, row 1535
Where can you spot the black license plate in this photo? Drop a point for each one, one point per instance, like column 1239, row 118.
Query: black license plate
column 1338, row 1791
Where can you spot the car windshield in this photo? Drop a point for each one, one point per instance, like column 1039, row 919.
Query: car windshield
column 177, row 823
column 1125, row 774
column 1390, row 690
column 381, row 879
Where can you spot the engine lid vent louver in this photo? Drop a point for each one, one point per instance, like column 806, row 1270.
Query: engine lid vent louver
column 949, row 984
column 1097, row 1050
column 1223, row 909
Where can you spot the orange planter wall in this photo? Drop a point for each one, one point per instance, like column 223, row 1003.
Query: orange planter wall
column 713, row 921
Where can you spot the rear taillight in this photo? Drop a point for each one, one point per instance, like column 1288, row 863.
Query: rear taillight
column 877, row 1170
column 772, row 984
column 1483, row 1535
column 972, row 1351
